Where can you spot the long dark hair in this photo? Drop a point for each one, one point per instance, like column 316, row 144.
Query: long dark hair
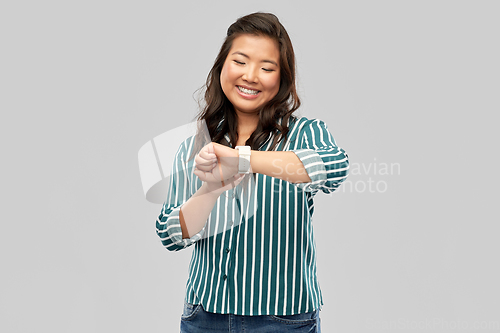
column 218, row 108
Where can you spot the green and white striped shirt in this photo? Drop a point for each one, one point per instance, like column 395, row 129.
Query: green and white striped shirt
column 256, row 254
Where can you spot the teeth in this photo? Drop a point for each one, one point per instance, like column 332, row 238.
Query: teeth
column 248, row 91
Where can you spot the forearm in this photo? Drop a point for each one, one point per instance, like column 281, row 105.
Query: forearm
column 284, row 165
column 194, row 213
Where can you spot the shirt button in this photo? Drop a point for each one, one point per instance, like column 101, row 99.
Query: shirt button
column 230, row 222
column 224, row 277
column 227, row 250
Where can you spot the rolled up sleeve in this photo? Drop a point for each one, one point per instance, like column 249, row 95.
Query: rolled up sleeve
column 168, row 226
column 326, row 164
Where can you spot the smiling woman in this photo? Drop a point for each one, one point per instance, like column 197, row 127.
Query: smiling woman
column 258, row 44
column 250, row 77
column 257, row 273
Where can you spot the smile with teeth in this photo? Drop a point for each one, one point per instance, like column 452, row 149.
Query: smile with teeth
column 248, row 91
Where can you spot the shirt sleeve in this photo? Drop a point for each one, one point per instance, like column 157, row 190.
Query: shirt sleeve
column 326, row 164
column 168, row 226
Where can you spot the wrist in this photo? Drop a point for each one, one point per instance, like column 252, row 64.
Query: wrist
column 254, row 161
column 210, row 190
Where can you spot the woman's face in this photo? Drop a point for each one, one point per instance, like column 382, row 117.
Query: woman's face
column 250, row 76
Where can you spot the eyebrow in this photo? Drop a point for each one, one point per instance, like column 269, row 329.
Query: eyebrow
column 243, row 54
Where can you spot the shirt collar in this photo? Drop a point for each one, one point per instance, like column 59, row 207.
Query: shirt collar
column 226, row 136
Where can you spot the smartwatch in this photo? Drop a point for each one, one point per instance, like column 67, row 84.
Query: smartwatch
column 244, row 159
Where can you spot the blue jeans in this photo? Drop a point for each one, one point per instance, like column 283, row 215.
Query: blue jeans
column 195, row 319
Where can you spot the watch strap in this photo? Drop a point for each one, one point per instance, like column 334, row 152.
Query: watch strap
column 244, row 159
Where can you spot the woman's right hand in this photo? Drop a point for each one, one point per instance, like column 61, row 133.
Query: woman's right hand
column 217, row 166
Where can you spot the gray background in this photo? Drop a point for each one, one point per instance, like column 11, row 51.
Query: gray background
column 85, row 84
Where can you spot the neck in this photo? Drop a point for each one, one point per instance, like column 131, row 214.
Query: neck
column 247, row 123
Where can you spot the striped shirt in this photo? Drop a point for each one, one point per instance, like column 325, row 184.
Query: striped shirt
column 256, row 254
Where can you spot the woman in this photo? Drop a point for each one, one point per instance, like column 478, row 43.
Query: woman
column 253, row 268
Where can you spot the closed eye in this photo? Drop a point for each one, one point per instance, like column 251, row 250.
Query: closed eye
column 239, row 62
column 268, row 70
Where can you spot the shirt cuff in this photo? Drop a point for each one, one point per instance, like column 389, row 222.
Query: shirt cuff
column 172, row 233
column 315, row 169
column 174, row 226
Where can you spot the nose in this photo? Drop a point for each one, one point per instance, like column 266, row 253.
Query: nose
column 251, row 75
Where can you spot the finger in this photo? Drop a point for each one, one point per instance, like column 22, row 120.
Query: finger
column 210, row 148
column 199, row 174
column 207, row 155
column 206, row 168
column 208, row 177
column 200, row 160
